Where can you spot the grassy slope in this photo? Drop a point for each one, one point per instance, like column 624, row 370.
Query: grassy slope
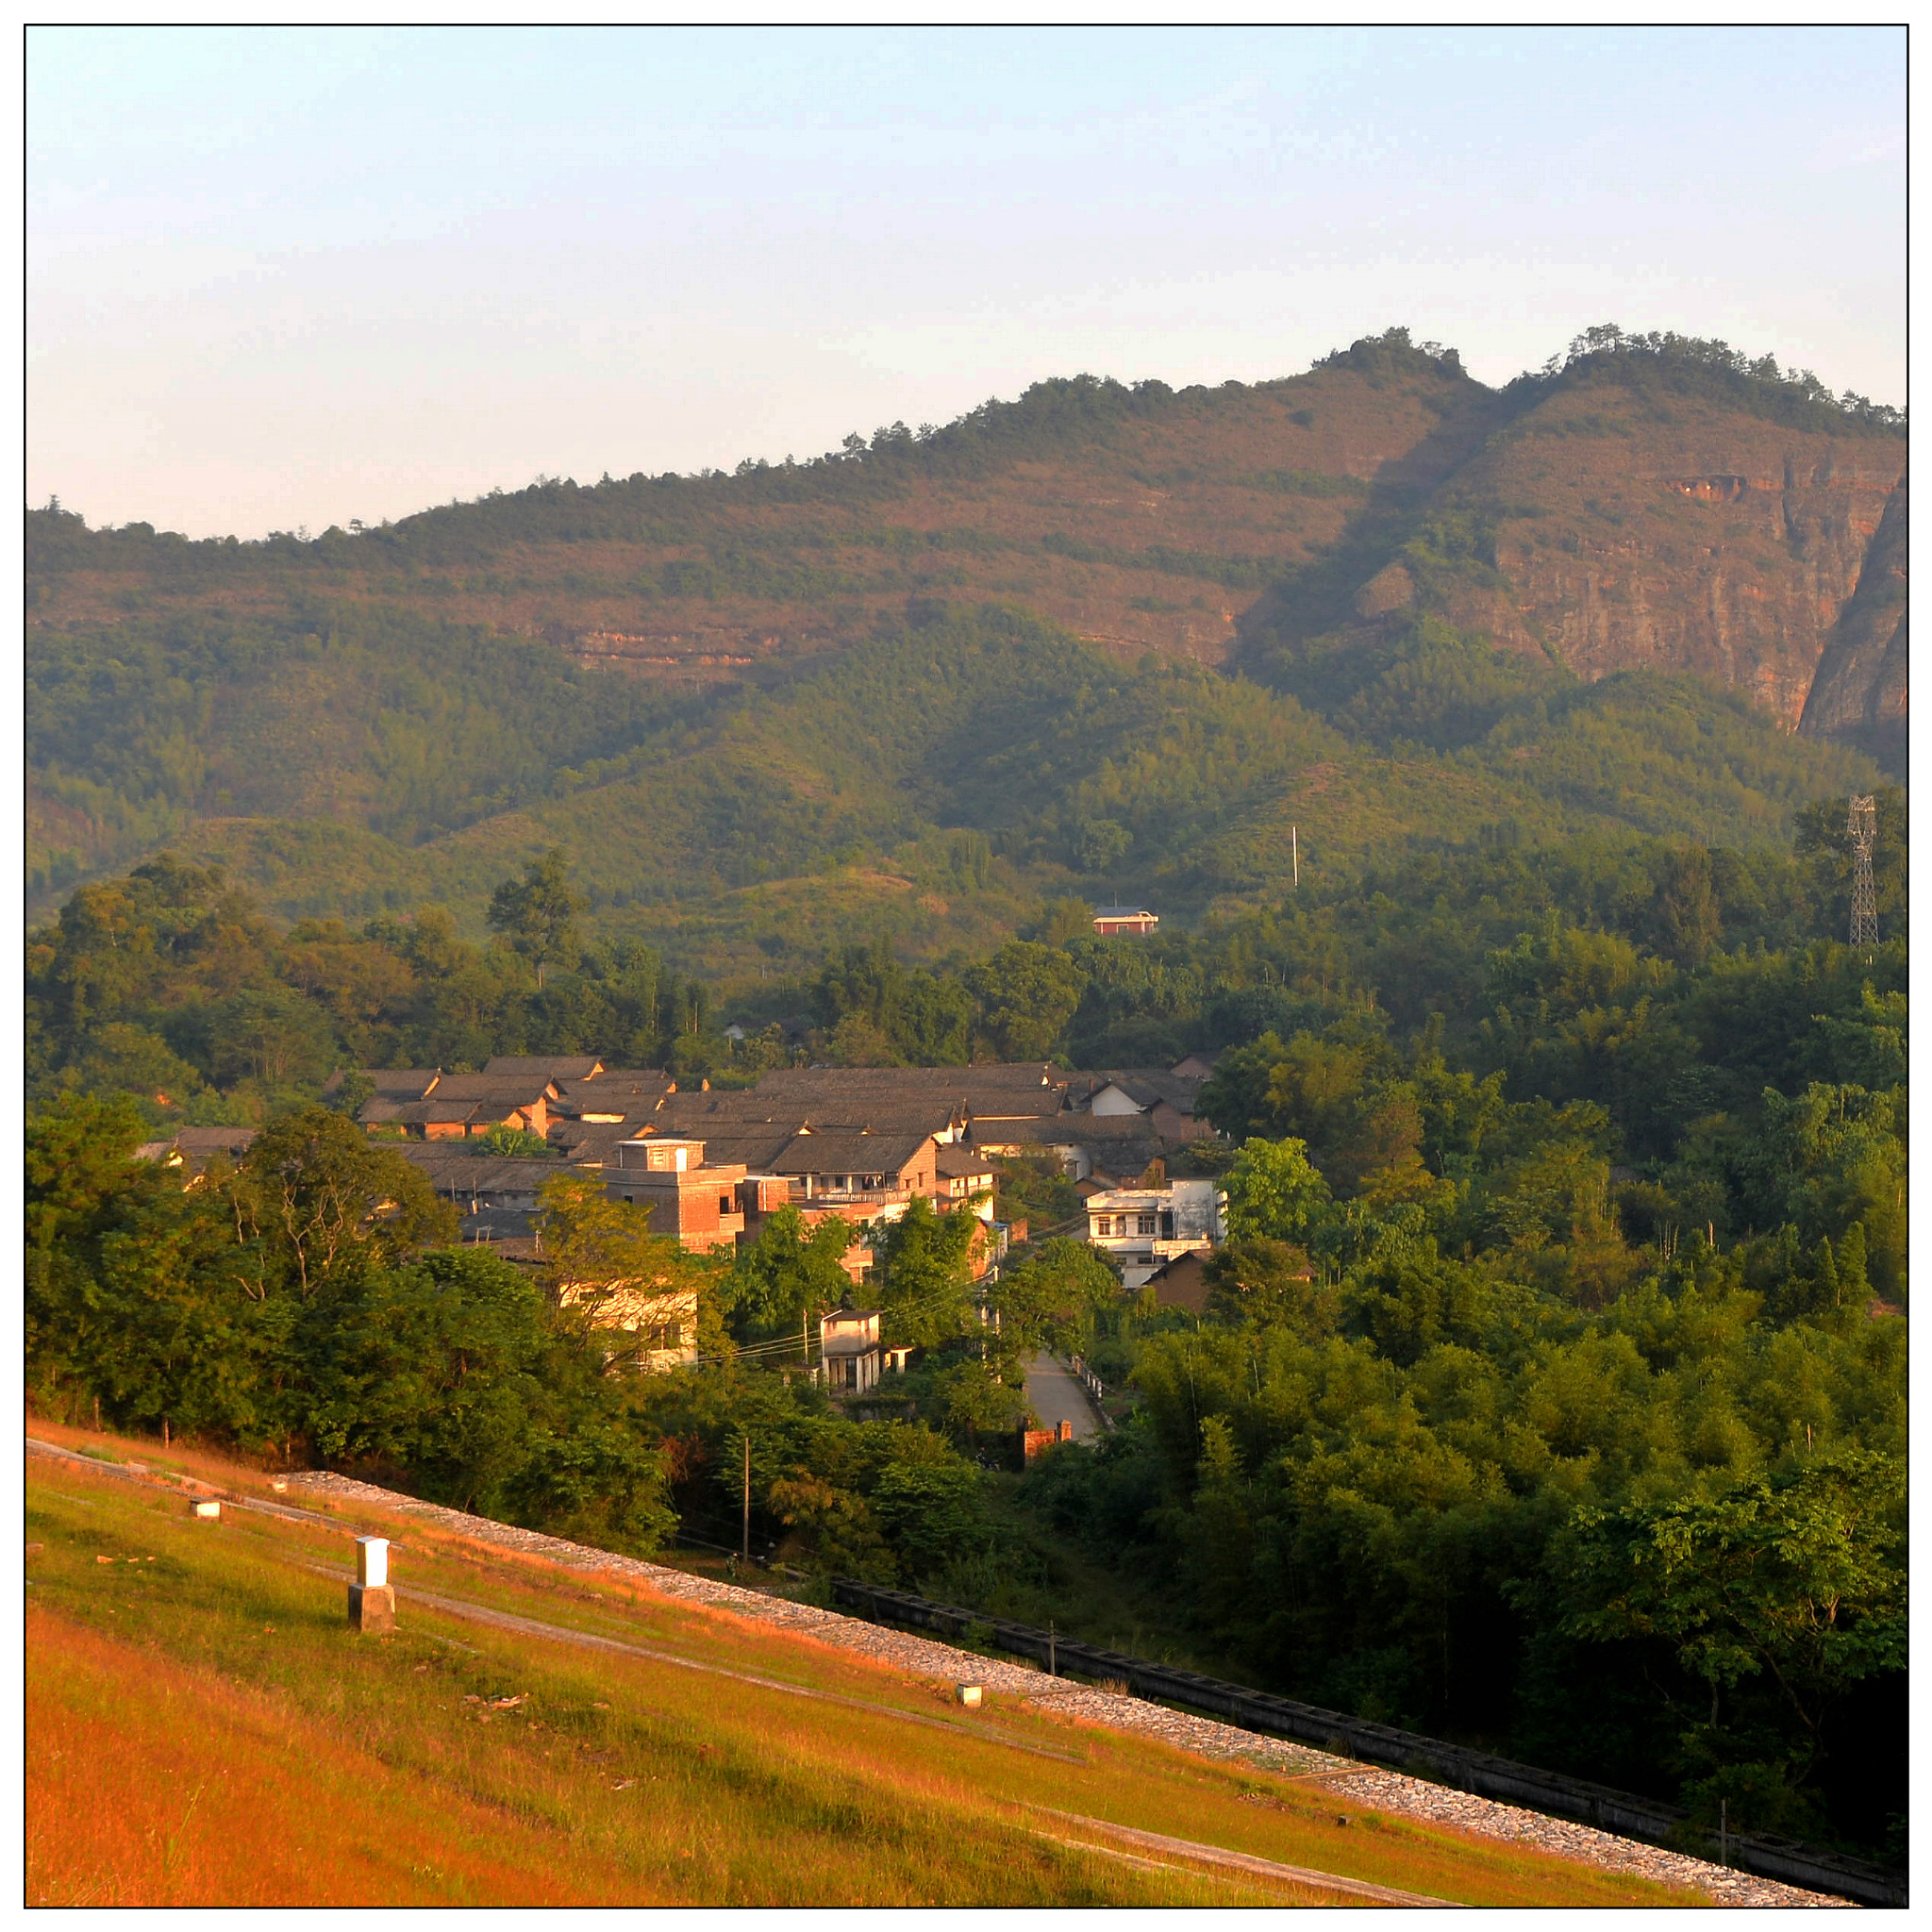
column 202, row 1729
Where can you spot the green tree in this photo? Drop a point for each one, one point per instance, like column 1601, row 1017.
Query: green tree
column 123, row 1058
column 1274, row 1193
column 934, row 1511
column 1257, row 1279
column 925, row 1281
column 792, row 1274
column 125, row 1300
column 432, row 1368
column 1789, row 1585
column 602, row 1261
column 1051, row 1300
column 832, row 1529
column 539, row 912
column 1025, row 993
column 314, row 1204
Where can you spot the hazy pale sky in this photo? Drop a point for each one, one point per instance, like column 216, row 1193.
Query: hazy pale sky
column 287, row 276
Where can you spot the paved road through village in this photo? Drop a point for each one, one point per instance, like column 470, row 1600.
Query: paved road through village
column 1057, row 1396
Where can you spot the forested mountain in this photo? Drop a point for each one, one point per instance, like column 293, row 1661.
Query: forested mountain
column 1101, row 639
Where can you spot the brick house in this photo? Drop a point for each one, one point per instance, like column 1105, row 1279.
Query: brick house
column 456, row 1107
column 964, row 1173
column 1181, row 1282
column 698, row 1202
column 1134, row 920
column 546, row 1070
column 610, row 1097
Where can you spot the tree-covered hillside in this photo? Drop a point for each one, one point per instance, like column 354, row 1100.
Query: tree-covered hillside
column 1452, row 607
column 939, row 780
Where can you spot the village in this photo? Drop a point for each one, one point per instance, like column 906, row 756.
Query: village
column 856, row 1143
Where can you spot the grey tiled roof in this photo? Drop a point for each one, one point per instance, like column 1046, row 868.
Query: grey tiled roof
column 542, row 1067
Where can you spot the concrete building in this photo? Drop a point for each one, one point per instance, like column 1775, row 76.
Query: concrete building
column 1139, row 1229
column 851, row 1351
column 1134, row 920
column 650, row 1325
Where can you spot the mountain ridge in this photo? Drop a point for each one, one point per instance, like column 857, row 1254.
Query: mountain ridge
column 1400, row 553
column 1744, row 466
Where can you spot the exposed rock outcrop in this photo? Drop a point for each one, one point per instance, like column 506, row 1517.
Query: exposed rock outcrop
column 1860, row 692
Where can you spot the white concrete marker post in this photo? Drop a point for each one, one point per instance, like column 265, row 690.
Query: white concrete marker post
column 969, row 1694
column 208, row 1512
column 372, row 1598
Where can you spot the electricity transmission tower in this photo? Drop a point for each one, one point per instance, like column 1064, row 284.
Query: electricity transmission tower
column 1863, row 826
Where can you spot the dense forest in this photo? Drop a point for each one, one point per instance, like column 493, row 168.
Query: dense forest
column 943, row 777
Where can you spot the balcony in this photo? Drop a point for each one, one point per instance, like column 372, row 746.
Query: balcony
column 814, row 1195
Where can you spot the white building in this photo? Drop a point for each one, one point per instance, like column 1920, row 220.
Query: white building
column 850, row 1350
column 1140, row 1228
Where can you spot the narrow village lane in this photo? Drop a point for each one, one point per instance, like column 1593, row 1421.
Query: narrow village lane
column 1057, row 1396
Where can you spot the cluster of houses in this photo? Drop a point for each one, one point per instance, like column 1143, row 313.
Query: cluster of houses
column 856, row 1143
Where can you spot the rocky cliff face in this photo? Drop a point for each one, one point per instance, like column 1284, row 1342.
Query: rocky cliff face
column 1715, row 546
column 1607, row 524
column 1607, row 531
column 1860, row 692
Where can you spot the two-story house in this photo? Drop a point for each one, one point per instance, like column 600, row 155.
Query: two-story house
column 1140, row 1228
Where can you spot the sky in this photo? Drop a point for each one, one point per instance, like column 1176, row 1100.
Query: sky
column 282, row 278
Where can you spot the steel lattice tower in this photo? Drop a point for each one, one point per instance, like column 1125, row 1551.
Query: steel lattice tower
column 1863, row 826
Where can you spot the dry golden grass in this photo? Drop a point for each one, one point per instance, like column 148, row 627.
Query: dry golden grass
column 152, row 1783
column 205, row 1730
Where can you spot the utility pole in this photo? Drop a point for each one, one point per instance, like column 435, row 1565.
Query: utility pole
column 745, row 1546
column 1294, row 846
column 1862, row 824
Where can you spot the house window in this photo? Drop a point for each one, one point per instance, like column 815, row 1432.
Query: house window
column 1103, row 1225
column 723, row 1203
column 1146, row 1224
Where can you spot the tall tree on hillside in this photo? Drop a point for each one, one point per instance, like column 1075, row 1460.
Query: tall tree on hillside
column 538, row 913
